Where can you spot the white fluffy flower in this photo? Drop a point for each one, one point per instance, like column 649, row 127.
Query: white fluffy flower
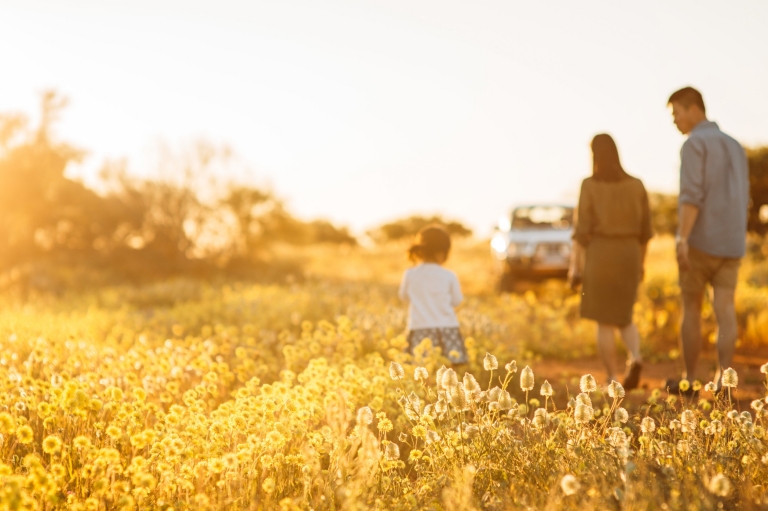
column 583, row 413
column 526, row 379
column 396, row 371
column 730, row 379
column 720, row 485
column 648, row 425
column 420, row 374
column 569, row 484
column 588, row 383
column 490, row 363
column 615, row 390
column 364, row 416
column 392, row 451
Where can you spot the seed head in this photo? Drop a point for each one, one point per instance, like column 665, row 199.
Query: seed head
column 450, row 380
column 720, row 485
column 540, row 418
column 470, row 383
column 420, row 374
column 490, row 363
column 710, row 387
column 459, row 398
column 617, row 437
column 493, row 394
column 730, row 379
column 648, row 425
column 757, row 405
column 546, row 389
column 412, row 406
column 432, row 437
column 526, row 379
column 583, row 413
column 471, row 430
column 392, row 451
column 588, row 383
column 364, row 416
column 688, row 420
column 569, row 484
column 621, row 415
column 583, row 398
column 615, row 390
column 396, row 371
column 764, row 368
column 684, row 385
column 439, row 377
column 512, row 367
column 505, row 400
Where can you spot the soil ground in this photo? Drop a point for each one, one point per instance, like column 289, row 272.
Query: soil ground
column 566, row 375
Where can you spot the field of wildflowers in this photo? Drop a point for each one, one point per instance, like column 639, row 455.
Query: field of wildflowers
column 300, row 396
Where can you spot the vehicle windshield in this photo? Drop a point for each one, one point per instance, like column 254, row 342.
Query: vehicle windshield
column 542, row 217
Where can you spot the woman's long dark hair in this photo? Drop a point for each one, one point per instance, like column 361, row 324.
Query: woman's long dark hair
column 606, row 165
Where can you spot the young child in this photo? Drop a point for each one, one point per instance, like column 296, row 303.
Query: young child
column 432, row 292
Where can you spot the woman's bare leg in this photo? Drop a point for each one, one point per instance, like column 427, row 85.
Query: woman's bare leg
column 631, row 338
column 606, row 346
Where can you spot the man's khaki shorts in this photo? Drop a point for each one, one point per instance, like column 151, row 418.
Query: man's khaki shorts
column 708, row 269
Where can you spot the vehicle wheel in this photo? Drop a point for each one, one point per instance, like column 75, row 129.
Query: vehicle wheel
column 507, row 282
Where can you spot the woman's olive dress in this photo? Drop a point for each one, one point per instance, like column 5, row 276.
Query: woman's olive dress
column 613, row 221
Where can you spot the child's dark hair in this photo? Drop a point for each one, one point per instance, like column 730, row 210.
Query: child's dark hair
column 431, row 241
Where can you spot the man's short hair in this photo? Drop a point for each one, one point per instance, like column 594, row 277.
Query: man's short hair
column 688, row 96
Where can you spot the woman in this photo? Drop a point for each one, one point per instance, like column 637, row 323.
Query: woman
column 613, row 226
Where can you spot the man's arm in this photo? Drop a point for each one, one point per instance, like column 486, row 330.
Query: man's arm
column 688, row 214
column 692, row 158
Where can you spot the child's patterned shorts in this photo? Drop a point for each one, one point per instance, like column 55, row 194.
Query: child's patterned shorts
column 449, row 340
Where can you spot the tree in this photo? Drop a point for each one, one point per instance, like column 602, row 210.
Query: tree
column 186, row 220
column 43, row 213
column 758, row 188
column 663, row 212
column 410, row 226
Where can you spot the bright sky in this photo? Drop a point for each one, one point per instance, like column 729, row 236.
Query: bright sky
column 364, row 111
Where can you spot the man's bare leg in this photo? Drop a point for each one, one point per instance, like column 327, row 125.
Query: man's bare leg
column 727, row 328
column 606, row 346
column 690, row 332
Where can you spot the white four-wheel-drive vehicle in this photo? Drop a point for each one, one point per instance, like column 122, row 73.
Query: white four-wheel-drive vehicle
column 533, row 243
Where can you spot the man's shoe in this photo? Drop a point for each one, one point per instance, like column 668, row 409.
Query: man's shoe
column 632, row 379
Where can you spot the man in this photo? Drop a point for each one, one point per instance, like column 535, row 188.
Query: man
column 711, row 240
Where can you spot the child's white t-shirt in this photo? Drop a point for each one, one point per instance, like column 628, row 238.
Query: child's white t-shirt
column 431, row 292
